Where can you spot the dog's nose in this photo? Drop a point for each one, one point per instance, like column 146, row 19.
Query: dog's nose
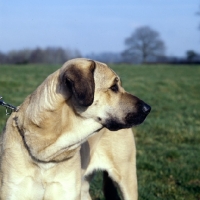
column 146, row 108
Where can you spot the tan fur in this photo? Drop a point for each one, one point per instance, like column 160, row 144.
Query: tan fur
column 114, row 152
column 57, row 138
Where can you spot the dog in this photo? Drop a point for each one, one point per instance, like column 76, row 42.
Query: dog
column 77, row 121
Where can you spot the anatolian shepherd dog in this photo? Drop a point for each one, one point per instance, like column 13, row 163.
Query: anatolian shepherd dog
column 77, row 121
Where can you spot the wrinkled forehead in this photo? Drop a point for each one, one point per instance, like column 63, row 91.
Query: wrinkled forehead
column 105, row 73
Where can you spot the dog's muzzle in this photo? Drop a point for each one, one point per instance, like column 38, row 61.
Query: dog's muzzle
column 131, row 118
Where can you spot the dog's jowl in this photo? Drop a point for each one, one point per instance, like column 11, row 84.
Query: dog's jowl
column 77, row 121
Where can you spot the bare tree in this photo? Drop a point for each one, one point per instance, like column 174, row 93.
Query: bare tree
column 144, row 45
column 190, row 54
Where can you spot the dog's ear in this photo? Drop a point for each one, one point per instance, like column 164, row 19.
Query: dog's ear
column 79, row 76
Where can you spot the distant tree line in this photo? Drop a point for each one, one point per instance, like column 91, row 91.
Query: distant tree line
column 109, row 57
column 49, row 55
column 144, row 45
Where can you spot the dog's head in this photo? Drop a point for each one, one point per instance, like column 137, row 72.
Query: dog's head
column 95, row 91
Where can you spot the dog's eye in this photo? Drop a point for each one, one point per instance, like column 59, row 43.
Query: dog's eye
column 114, row 88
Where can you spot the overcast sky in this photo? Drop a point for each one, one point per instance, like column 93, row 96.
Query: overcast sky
column 97, row 26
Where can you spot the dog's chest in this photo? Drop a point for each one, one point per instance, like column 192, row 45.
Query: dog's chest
column 45, row 181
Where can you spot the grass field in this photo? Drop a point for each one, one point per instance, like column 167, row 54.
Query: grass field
column 168, row 142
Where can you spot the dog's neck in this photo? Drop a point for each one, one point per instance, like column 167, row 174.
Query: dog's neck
column 56, row 142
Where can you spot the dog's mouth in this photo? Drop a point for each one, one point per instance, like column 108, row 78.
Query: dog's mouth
column 115, row 124
column 130, row 120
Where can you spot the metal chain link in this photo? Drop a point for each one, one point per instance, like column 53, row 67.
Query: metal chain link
column 9, row 108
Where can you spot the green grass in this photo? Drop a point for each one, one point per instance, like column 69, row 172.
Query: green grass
column 168, row 142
